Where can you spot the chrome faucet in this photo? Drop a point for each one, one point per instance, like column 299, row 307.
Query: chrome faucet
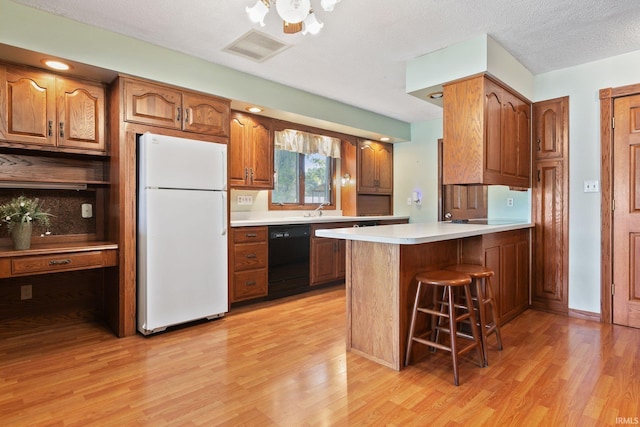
column 319, row 208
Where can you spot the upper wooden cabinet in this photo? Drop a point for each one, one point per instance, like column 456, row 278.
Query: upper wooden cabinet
column 51, row 112
column 374, row 167
column 487, row 134
column 169, row 107
column 250, row 151
column 551, row 131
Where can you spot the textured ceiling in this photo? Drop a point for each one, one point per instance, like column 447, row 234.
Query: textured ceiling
column 359, row 57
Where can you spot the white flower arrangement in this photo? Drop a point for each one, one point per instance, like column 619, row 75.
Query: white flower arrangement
column 22, row 209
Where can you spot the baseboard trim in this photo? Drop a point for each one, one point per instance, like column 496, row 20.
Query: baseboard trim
column 586, row 315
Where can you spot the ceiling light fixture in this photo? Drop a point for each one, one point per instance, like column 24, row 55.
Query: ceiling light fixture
column 56, row 65
column 254, row 109
column 435, row 95
column 297, row 15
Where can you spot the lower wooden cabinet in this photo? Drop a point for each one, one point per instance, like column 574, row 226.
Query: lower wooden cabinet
column 328, row 256
column 507, row 254
column 249, row 260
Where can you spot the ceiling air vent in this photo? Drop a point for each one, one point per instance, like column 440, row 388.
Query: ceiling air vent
column 256, row 46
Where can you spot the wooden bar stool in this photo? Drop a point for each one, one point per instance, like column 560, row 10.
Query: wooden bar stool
column 484, row 297
column 445, row 308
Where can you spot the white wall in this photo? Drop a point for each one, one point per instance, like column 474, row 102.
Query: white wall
column 582, row 85
column 415, row 168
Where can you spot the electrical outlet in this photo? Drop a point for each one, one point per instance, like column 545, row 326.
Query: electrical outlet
column 510, row 201
column 409, row 201
column 591, row 186
column 87, row 210
column 245, row 200
column 26, row 292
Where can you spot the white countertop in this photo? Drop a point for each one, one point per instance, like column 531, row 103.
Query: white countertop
column 311, row 220
column 417, row 233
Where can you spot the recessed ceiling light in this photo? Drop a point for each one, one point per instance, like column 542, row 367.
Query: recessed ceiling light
column 435, row 95
column 56, row 65
column 254, row 109
column 385, row 139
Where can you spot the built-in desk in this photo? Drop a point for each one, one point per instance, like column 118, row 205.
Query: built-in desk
column 57, row 283
column 56, row 257
column 382, row 261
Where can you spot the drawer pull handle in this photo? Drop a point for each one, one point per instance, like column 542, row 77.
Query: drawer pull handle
column 250, row 256
column 60, row 261
column 251, row 283
column 251, row 235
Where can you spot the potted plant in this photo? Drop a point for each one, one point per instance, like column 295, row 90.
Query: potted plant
column 20, row 214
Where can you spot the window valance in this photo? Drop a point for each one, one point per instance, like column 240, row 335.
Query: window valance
column 307, row 143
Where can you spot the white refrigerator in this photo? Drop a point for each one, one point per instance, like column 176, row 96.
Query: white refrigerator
column 182, row 227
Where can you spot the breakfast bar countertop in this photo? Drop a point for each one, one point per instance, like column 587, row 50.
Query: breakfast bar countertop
column 423, row 232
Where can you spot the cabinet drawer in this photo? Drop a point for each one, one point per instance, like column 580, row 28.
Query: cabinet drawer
column 249, row 284
column 53, row 263
column 249, row 255
column 250, row 234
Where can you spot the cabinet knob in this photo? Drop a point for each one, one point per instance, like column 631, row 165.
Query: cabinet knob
column 250, row 256
column 61, row 129
column 538, row 144
column 177, row 114
column 50, row 128
column 250, row 283
column 251, row 235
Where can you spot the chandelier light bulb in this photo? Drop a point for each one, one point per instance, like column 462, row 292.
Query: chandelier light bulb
column 258, row 12
column 293, row 11
column 328, row 5
column 312, row 25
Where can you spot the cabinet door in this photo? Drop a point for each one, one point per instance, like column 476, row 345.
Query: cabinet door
column 152, row 104
column 205, row 114
column 323, row 260
column 509, row 137
column 261, row 145
column 366, row 167
column 374, row 167
column 551, row 128
column 384, row 160
column 80, row 115
column 29, row 107
column 239, row 155
column 523, row 174
column 492, row 133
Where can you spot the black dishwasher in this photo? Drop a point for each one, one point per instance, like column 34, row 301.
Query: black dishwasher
column 288, row 260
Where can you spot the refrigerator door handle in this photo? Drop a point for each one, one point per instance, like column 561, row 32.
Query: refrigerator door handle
column 224, row 213
column 224, row 169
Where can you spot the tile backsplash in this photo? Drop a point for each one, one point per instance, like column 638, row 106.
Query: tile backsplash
column 64, row 205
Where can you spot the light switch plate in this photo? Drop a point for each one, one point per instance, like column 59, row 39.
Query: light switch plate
column 591, row 186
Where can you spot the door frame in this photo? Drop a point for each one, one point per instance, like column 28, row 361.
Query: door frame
column 607, row 97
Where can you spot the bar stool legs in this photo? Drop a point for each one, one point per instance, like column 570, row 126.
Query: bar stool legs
column 447, row 280
column 484, row 297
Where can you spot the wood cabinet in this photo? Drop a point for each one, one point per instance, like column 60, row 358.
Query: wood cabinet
column 507, row 254
column 369, row 191
column 374, row 167
column 327, row 256
column 174, row 108
column 487, row 134
column 251, row 152
column 249, row 260
column 550, row 205
column 45, row 111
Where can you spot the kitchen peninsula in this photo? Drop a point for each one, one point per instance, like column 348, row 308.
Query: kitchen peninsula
column 381, row 263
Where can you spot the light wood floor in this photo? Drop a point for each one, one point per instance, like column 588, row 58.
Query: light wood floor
column 285, row 364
